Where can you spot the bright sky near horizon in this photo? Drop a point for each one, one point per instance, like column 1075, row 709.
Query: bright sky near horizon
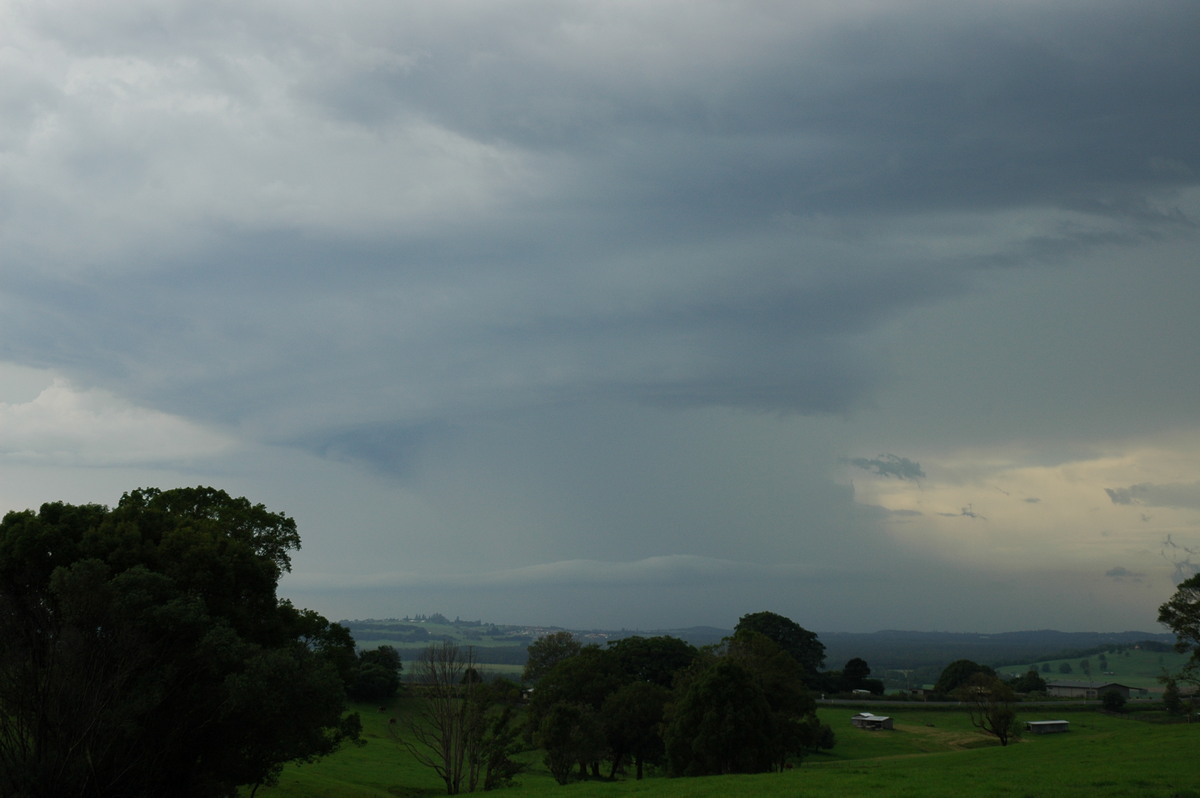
column 643, row 314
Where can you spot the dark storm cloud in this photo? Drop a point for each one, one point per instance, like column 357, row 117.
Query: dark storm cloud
column 907, row 108
column 699, row 226
column 1178, row 494
column 965, row 512
column 1121, row 495
column 604, row 292
column 1119, row 573
column 890, row 465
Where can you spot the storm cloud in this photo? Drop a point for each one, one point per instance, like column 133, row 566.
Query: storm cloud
column 889, row 465
column 506, row 297
column 1179, row 494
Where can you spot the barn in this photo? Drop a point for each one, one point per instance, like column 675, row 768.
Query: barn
column 1088, row 690
column 865, row 720
column 1047, row 726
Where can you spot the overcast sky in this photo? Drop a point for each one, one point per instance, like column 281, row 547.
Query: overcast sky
column 876, row 314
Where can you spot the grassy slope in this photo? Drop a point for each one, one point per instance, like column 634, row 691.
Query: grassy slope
column 379, row 769
column 1132, row 668
column 931, row 753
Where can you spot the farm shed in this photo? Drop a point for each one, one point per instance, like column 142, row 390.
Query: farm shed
column 1085, row 689
column 865, row 720
column 1047, row 726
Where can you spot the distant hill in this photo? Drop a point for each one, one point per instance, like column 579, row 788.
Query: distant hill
column 500, row 644
column 908, row 649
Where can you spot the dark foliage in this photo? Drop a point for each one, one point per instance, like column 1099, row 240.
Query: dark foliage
column 1113, row 701
column 632, row 718
column 744, row 708
column 377, row 675
column 1030, row 682
column 790, row 636
column 651, row 659
column 547, row 651
column 1181, row 614
column 958, row 673
column 571, row 735
column 722, row 723
column 146, row 653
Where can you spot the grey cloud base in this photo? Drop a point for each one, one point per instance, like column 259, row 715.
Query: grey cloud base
column 588, row 290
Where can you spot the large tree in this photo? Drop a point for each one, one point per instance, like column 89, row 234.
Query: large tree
column 377, row 675
column 793, row 638
column 441, row 732
column 632, row 719
column 991, row 705
column 608, row 689
column 583, row 681
column 651, row 659
column 145, row 651
column 1181, row 613
column 461, row 726
column 547, row 651
column 958, row 673
column 721, row 723
column 782, row 680
column 571, row 734
column 742, row 707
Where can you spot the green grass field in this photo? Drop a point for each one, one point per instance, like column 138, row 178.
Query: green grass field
column 1134, row 668
column 931, row 752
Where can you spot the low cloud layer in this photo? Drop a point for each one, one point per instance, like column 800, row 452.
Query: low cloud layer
column 889, row 465
column 1179, row 495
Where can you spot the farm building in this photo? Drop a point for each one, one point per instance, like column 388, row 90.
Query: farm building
column 865, row 720
column 1047, row 726
column 1085, row 689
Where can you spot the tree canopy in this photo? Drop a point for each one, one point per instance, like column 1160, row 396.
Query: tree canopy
column 958, row 673
column 547, row 651
column 377, row 675
column 790, row 636
column 742, row 708
column 146, row 652
column 991, row 705
column 1181, row 613
column 721, row 723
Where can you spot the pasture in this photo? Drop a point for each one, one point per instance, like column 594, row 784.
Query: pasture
column 1132, row 667
column 932, row 752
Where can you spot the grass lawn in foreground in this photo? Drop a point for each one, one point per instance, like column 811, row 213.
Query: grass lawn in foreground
column 931, row 754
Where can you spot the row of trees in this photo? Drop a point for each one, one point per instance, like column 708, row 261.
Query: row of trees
column 745, row 705
column 1085, row 666
column 742, row 706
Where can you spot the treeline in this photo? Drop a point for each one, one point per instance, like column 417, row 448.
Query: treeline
column 742, row 706
column 406, row 631
column 395, row 634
